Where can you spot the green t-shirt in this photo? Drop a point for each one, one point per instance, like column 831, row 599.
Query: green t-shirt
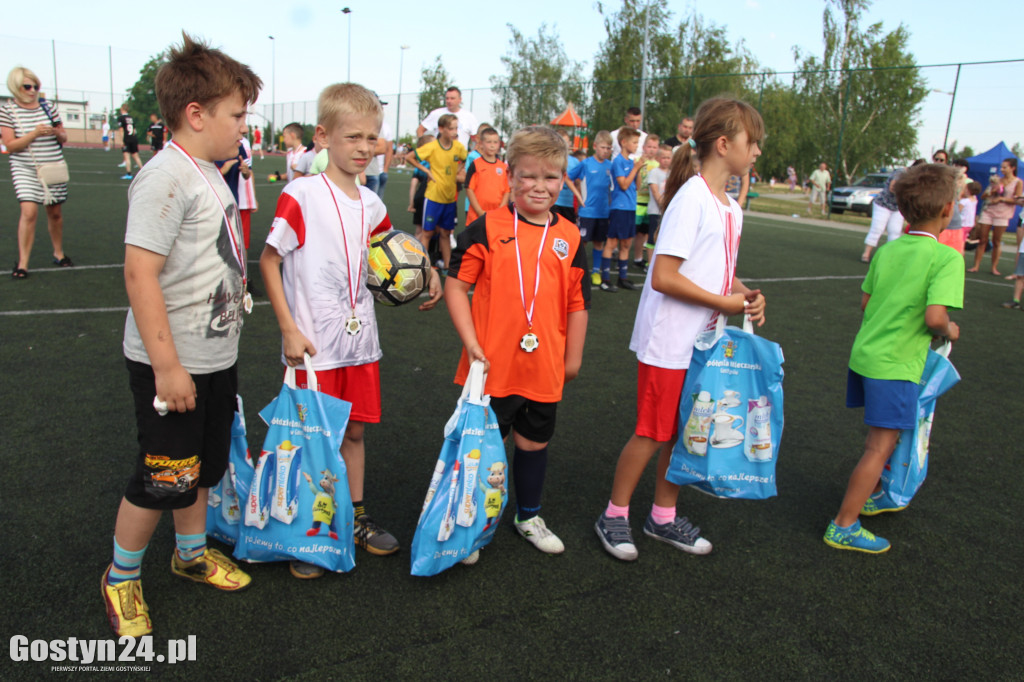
column 906, row 276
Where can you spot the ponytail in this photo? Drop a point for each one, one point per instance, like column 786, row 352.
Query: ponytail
column 682, row 169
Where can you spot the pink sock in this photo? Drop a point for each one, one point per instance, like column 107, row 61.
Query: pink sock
column 663, row 515
column 614, row 511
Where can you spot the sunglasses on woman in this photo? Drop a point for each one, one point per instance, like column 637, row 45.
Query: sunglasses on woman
column 29, row 87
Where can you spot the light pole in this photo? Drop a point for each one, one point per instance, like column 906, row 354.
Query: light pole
column 952, row 100
column 398, row 107
column 348, row 74
column 273, row 90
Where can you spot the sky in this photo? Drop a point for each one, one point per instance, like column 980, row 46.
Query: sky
column 311, row 46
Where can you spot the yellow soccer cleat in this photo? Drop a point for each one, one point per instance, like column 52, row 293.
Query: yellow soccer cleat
column 126, row 609
column 212, row 568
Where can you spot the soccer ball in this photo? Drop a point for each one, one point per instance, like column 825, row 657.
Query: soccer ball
column 397, row 268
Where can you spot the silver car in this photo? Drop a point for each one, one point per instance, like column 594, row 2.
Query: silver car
column 859, row 196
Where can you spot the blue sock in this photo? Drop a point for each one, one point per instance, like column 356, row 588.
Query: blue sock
column 528, row 469
column 606, row 270
column 598, row 258
column 623, row 269
column 190, row 547
column 127, row 565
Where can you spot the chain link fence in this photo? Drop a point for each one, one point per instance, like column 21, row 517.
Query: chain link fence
column 971, row 103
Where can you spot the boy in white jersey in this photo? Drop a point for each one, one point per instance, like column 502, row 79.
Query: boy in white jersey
column 315, row 274
column 184, row 272
column 292, row 138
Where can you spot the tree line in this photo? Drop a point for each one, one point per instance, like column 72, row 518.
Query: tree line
column 855, row 105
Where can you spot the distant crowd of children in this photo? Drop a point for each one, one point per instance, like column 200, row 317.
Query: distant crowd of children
column 522, row 255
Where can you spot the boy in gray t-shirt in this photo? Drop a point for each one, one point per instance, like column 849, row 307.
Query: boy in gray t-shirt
column 185, row 276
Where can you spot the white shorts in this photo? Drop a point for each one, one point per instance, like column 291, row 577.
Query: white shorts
column 817, row 195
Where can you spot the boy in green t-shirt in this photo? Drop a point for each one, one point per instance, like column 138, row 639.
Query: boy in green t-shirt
column 909, row 286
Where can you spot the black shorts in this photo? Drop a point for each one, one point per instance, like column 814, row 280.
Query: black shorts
column 653, row 223
column 532, row 420
column 181, row 451
column 593, row 229
column 417, row 213
column 131, row 145
column 567, row 212
column 157, row 145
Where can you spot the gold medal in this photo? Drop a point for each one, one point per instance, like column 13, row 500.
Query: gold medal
column 529, row 342
column 353, row 326
column 247, row 302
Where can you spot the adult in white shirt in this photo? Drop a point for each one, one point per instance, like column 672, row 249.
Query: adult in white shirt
column 452, row 105
column 377, row 171
column 632, row 119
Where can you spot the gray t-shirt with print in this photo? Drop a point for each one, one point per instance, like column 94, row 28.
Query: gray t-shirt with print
column 173, row 212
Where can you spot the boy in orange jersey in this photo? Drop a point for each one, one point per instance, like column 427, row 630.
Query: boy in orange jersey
column 528, row 317
column 486, row 178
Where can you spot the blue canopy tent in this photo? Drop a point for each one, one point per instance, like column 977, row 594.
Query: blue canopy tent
column 986, row 164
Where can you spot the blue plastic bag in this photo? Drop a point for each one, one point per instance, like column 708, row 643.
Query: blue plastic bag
column 468, row 490
column 731, row 417
column 224, row 505
column 908, row 465
column 298, row 504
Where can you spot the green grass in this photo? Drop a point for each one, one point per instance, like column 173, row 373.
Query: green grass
column 771, row 602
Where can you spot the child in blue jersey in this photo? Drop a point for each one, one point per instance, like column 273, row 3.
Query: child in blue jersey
column 622, row 214
column 564, row 204
column 594, row 177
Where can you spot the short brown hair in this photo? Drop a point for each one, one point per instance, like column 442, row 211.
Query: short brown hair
column 540, row 142
column 923, row 191
column 446, row 120
column 652, row 137
column 346, row 99
column 195, row 72
column 627, row 133
column 602, row 137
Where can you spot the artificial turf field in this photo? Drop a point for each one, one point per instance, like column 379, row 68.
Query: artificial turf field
column 772, row 601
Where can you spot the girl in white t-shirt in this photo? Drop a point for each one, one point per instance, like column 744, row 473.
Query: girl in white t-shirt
column 691, row 282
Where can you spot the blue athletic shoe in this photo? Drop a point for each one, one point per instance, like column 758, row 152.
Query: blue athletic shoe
column 126, row 176
column 856, row 538
column 879, row 503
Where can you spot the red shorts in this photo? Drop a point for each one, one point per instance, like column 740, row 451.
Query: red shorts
column 246, row 216
column 359, row 385
column 658, row 391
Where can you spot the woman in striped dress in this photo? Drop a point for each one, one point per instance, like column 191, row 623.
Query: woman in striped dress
column 34, row 134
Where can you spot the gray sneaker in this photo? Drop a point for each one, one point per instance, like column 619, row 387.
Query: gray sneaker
column 616, row 536
column 373, row 538
column 681, row 534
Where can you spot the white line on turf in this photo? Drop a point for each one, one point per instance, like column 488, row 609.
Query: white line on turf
column 69, row 311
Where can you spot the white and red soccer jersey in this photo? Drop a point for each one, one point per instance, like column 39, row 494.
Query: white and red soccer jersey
column 321, row 233
column 290, row 159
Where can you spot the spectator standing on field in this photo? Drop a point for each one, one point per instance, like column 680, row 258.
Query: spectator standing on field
column 632, row 119
column 468, row 123
column 821, row 183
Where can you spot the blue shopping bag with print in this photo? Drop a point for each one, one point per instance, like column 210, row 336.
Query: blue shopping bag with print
column 908, row 465
column 224, row 505
column 298, row 504
column 731, row 416
column 468, row 489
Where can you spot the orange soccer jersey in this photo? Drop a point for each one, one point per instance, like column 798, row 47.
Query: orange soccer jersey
column 486, row 256
column 489, row 182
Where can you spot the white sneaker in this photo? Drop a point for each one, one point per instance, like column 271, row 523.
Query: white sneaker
column 538, row 534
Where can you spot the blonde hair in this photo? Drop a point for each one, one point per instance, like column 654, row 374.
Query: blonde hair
column 195, row 72
column 716, row 117
column 540, row 142
column 602, row 137
column 346, row 99
column 16, row 78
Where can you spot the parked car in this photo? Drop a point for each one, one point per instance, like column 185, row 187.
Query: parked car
column 859, row 196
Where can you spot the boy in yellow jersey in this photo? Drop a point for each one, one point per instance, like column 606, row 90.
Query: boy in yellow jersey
column 446, row 156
